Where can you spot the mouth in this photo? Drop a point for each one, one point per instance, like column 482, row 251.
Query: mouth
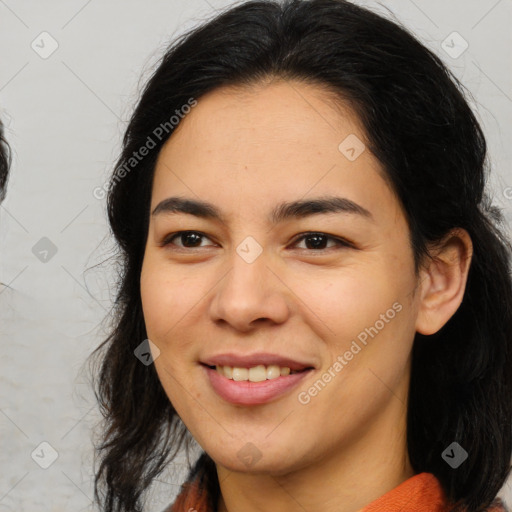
column 258, row 373
column 255, row 385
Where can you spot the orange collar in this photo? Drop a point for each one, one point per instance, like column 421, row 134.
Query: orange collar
column 420, row 493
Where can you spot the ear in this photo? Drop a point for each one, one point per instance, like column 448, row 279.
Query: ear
column 443, row 281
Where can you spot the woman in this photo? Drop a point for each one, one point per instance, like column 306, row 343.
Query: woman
column 307, row 243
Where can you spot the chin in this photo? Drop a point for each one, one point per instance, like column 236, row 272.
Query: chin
column 253, row 460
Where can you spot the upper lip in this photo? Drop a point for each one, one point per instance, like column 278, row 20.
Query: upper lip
column 251, row 360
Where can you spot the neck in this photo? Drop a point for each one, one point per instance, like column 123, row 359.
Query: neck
column 342, row 481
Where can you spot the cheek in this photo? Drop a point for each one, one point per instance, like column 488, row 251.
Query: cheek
column 165, row 297
column 168, row 302
column 153, row 300
column 351, row 298
column 371, row 305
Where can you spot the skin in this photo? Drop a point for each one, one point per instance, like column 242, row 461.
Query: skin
column 245, row 151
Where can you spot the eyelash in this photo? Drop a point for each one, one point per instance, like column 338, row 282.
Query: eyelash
column 341, row 242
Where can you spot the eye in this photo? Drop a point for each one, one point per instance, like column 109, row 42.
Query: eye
column 317, row 241
column 189, row 239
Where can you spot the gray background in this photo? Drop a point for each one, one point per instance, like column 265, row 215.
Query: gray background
column 65, row 115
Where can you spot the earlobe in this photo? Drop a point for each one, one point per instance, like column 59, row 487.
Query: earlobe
column 443, row 281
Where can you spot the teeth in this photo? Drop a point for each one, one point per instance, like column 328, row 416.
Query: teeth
column 274, row 371
column 258, row 373
column 228, row 371
column 240, row 374
column 255, row 374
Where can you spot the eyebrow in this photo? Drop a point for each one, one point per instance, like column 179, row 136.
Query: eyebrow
column 283, row 211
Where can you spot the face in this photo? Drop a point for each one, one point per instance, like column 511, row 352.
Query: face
column 256, row 283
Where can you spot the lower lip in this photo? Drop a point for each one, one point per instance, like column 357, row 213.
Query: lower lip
column 253, row 393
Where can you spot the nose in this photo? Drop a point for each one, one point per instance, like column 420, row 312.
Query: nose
column 250, row 294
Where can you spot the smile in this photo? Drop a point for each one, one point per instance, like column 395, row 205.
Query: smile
column 255, row 374
column 253, row 386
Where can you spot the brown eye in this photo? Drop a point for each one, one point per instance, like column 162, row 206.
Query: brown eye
column 318, row 241
column 188, row 239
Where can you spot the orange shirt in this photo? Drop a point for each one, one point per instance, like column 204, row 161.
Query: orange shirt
column 420, row 493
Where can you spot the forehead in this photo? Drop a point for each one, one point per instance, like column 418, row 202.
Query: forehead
column 269, row 143
column 278, row 112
